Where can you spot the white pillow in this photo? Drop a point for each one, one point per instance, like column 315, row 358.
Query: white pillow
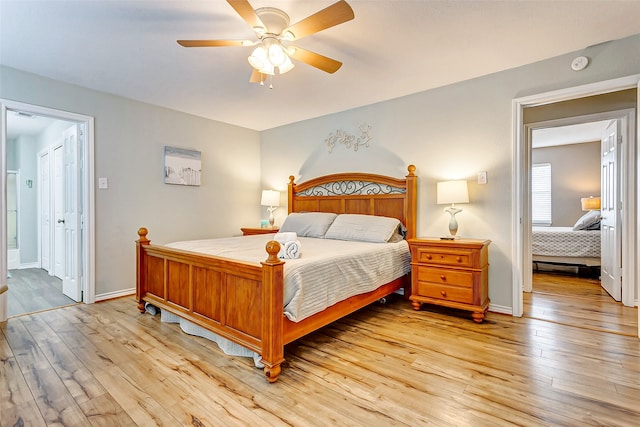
column 363, row 228
column 587, row 221
column 308, row 224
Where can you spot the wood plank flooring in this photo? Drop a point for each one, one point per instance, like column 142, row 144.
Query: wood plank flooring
column 32, row 289
column 107, row 365
column 578, row 301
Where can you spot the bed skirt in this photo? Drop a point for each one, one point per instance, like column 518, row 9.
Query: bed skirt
column 227, row 346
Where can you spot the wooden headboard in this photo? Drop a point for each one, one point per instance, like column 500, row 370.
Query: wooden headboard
column 359, row 193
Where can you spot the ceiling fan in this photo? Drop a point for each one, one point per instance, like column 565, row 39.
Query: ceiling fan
column 273, row 34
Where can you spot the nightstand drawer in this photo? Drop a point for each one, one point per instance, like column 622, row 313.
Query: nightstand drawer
column 444, row 257
column 447, row 277
column 445, row 292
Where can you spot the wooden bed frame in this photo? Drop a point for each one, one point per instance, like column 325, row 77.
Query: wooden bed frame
column 243, row 301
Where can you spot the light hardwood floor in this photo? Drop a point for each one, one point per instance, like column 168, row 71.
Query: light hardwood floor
column 32, row 289
column 105, row 364
column 578, row 301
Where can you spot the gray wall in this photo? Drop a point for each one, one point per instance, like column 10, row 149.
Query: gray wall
column 129, row 146
column 449, row 132
column 575, row 173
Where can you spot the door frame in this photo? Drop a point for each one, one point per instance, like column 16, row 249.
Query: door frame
column 521, row 216
column 57, row 201
column 88, row 194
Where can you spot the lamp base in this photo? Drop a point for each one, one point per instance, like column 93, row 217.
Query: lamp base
column 453, row 224
column 272, row 219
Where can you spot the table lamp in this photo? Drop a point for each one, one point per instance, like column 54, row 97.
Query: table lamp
column 452, row 192
column 271, row 199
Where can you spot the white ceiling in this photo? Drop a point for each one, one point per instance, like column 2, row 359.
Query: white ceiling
column 571, row 134
column 26, row 125
column 391, row 49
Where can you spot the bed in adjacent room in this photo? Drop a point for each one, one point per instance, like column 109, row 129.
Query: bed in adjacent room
column 577, row 246
column 351, row 231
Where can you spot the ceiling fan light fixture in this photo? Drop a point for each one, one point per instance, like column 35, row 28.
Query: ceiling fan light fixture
column 258, row 58
column 277, row 55
column 287, row 66
column 288, row 35
column 267, row 68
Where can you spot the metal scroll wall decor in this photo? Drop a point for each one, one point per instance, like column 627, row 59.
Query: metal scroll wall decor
column 348, row 140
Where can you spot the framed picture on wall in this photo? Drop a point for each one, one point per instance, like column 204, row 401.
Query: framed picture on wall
column 181, row 166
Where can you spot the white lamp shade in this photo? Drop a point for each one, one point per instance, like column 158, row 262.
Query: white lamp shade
column 449, row 192
column 270, row 198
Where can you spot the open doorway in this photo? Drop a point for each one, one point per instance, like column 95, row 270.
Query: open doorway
column 565, row 191
column 576, row 234
column 579, row 100
column 55, row 212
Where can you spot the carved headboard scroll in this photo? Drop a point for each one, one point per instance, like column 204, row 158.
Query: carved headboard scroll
column 359, row 193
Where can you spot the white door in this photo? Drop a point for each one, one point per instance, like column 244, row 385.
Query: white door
column 71, row 283
column 44, row 178
column 58, row 211
column 611, row 235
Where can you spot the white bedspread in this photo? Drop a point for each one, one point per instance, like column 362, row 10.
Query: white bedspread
column 328, row 271
column 565, row 242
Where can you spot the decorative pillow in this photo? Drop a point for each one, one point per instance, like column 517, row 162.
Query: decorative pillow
column 363, row 228
column 308, row 224
column 595, row 226
column 588, row 221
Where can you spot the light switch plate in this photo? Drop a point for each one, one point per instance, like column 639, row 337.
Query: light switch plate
column 482, row 177
column 103, row 183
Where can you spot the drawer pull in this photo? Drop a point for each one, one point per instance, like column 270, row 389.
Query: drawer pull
column 428, row 256
column 443, row 293
column 443, row 277
column 459, row 259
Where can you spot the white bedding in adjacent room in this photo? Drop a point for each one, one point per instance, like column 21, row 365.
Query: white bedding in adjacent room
column 328, row 271
column 565, row 242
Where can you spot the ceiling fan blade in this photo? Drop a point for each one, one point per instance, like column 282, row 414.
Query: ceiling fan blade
column 257, row 77
column 315, row 59
column 210, row 43
column 333, row 15
column 246, row 12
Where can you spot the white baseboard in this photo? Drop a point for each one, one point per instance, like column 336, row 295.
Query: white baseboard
column 501, row 309
column 115, row 294
column 29, row 265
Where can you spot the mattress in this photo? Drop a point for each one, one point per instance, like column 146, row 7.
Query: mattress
column 565, row 242
column 328, row 271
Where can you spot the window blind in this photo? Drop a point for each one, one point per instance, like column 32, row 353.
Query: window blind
column 541, row 194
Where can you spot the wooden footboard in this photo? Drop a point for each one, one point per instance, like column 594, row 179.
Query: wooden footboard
column 237, row 300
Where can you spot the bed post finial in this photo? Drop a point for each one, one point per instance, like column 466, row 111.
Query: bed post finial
column 411, row 203
column 141, row 267
column 291, row 190
column 273, row 247
column 142, row 233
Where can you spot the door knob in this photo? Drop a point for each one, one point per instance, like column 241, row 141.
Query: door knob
column 61, row 221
